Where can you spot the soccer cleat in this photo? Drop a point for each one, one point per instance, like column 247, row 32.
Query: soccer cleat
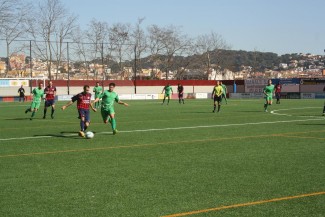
column 81, row 134
column 115, row 131
column 31, row 119
column 44, row 117
column 324, row 114
column 26, row 111
column 52, row 116
column 265, row 110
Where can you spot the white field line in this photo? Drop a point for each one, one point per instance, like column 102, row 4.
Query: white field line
column 275, row 112
column 172, row 128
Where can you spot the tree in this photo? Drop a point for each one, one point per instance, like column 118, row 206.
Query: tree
column 156, row 45
column 46, row 25
column 64, row 31
column 96, row 34
column 139, row 39
column 208, row 44
column 119, row 36
column 166, row 43
column 14, row 17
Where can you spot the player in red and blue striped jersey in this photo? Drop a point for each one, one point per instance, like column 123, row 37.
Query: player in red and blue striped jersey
column 50, row 92
column 83, row 103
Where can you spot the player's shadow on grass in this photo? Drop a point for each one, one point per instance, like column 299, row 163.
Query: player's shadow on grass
column 251, row 111
column 64, row 134
column 313, row 124
column 18, row 119
column 205, row 112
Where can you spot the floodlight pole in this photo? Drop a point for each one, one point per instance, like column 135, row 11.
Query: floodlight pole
column 68, row 68
column 135, row 69
column 30, row 66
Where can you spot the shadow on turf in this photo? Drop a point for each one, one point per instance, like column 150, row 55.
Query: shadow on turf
column 199, row 112
column 65, row 134
column 313, row 124
column 18, row 119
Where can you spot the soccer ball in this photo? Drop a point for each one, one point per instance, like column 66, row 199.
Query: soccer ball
column 90, row 135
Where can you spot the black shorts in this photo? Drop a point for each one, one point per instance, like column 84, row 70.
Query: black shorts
column 49, row 103
column 22, row 95
column 180, row 95
column 217, row 98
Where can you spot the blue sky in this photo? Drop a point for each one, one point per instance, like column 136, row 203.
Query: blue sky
column 279, row 26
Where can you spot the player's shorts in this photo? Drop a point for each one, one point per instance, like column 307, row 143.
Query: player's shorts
column 21, row 95
column 223, row 95
column 49, row 102
column 278, row 95
column 106, row 112
column 84, row 113
column 35, row 105
column 268, row 98
column 167, row 94
column 217, row 98
column 180, row 95
column 97, row 95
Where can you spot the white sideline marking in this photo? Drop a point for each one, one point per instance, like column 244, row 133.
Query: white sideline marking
column 171, row 128
column 274, row 112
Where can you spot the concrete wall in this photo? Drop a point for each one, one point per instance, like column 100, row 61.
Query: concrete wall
column 12, row 91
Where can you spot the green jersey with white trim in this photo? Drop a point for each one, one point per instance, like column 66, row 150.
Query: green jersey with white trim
column 269, row 89
column 98, row 90
column 168, row 89
column 108, row 99
column 38, row 94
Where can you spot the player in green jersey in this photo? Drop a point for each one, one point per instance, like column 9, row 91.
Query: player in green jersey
column 107, row 108
column 268, row 92
column 224, row 92
column 168, row 90
column 217, row 96
column 38, row 94
column 97, row 90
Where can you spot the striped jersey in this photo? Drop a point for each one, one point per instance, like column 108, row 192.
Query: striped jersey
column 83, row 100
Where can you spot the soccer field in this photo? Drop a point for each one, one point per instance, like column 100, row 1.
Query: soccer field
column 175, row 160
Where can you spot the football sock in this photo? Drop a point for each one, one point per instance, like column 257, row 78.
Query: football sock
column 33, row 113
column 82, row 125
column 265, row 106
column 219, row 107
column 45, row 110
column 214, row 107
column 85, row 128
column 113, row 123
column 324, row 109
column 52, row 112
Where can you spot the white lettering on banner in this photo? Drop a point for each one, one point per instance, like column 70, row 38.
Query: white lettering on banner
column 308, row 95
column 17, row 83
column 125, row 96
column 64, row 97
column 255, row 85
column 201, row 95
column 138, row 96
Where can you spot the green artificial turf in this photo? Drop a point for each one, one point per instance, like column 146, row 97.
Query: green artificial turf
column 165, row 160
